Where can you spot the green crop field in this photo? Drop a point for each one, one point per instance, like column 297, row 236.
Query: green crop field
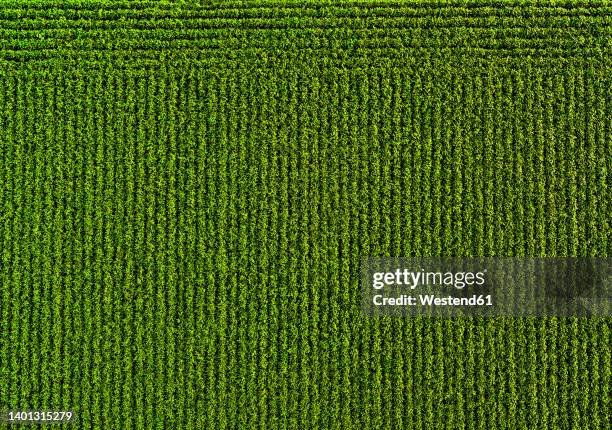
column 187, row 190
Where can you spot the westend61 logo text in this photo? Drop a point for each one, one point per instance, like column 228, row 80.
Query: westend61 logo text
column 486, row 286
column 411, row 279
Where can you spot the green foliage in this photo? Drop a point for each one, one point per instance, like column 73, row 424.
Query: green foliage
column 187, row 188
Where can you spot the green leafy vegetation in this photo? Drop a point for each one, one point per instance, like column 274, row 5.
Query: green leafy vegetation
column 187, row 189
